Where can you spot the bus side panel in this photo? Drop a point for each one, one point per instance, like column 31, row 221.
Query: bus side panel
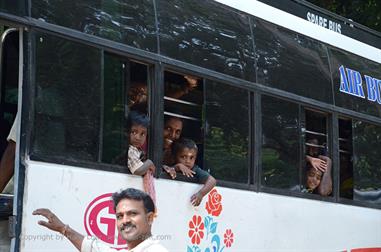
column 228, row 219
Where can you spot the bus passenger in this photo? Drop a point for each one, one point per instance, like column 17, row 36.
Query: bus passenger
column 319, row 178
column 138, row 164
column 185, row 151
column 7, row 163
column 173, row 127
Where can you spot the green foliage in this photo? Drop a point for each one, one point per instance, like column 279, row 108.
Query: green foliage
column 365, row 12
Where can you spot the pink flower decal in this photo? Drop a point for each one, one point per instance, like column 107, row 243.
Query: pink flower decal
column 196, row 229
column 228, row 238
column 213, row 205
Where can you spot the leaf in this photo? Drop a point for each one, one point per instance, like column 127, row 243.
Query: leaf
column 193, row 249
column 213, row 227
column 207, row 250
column 207, row 221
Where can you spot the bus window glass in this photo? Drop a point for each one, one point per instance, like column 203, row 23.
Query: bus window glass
column 15, row 7
column 356, row 67
column 130, row 22
column 125, row 85
column 67, row 99
column 277, row 50
column 346, row 158
column 114, row 137
column 208, row 35
column 226, row 132
column 280, row 144
column 367, row 170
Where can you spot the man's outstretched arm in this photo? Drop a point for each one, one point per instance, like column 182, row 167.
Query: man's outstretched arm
column 57, row 225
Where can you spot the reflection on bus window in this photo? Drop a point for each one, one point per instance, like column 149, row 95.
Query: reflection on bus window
column 125, row 90
column 280, row 148
column 227, row 132
column 367, row 152
column 346, row 158
column 67, row 100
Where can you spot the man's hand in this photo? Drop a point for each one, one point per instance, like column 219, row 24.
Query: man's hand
column 57, row 225
column 318, row 164
column 53, row 222
column 184, row 170
column 196, row 199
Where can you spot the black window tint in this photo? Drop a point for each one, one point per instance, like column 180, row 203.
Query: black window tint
column 206, row 34
column 367, row 168
column 340, row 58
column 346, row 158
column 16, row 7
column 67, row 99
column 114, row 134
column 227, row 132
column 280, row 144
column 292, row 62
column 130, row 22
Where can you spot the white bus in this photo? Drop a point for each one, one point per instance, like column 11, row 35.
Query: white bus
column 269, row 79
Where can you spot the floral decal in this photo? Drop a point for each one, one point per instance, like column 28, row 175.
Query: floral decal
column 196, row 229
column 228, row 238
column 213, row 205
column 205, row 231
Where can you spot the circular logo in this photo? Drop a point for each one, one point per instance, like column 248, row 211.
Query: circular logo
column 100, row 222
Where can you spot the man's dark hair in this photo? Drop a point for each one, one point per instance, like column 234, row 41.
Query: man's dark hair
column 170, row 117
column 134, row 194
column 182, row 143
column 136, row 118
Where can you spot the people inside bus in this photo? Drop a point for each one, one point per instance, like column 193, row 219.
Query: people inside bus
column 184, row 151
column 173, row 127
column 135, row 212
column 138, row 92
column 177, row 91
column 7, row 163
column 137, row 97
column 138, row 163
column 318, row 173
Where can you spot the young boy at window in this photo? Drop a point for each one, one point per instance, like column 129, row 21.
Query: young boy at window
column 184, row 152
column 138, row 164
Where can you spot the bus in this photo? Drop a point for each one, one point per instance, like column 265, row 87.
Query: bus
column 254, row 82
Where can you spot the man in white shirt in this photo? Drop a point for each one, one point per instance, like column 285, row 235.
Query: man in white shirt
column 135, row 212
column 8, row 160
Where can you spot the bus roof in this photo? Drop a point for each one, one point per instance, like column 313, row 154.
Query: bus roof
column 316, row 23
column 350, row 28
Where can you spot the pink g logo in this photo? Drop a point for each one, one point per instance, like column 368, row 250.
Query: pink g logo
column 100, row 221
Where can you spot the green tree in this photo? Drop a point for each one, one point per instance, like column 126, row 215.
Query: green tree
column 367, row 12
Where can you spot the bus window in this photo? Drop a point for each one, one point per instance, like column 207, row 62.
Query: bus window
column 8, row 83
column 183, row 97
column 318, row 167
column 346, row 158
column 216, row 117
column 366, row 171
column 125, row 86
column 226, row 130
column 280, row 145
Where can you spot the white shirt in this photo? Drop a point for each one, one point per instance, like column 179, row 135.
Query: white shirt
column 12, row 133
column 90, row 244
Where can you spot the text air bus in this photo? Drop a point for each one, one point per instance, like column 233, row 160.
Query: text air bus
column 273, row 80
